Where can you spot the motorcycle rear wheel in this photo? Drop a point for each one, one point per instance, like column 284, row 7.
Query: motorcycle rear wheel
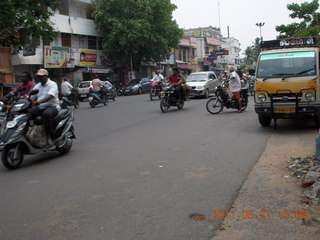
column 180, row 105
column 214, row 105
column 8, row 159
column 164, row 105
column 244, row 105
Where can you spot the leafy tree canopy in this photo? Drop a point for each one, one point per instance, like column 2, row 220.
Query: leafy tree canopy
column 137, row 30
column 252, row 52
column 310, row 24
column 22, row 21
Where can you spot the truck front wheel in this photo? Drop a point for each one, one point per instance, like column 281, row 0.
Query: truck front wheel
column 265, row 121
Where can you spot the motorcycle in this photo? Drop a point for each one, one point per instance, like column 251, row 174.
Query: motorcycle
column 25, row 136
column 155, row 90
column 169, row 99
column 72, row 99
column 98, row 98
column 251, row 80
column 223, row 99
column 120, row 90
column 111, row 92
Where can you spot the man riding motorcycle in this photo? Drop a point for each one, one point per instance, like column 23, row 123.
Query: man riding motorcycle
column 47, row 103
column 175, row 78
column 97, row 87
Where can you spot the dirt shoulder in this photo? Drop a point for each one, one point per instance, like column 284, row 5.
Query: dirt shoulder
column 274, row 195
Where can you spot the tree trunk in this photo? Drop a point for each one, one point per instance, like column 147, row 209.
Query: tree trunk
column 6, row 74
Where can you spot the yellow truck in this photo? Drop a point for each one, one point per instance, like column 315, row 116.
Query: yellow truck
column 287, row 80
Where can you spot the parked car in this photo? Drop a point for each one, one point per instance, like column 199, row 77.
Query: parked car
column 202, row 83
column 138, row 86
column 84, row 89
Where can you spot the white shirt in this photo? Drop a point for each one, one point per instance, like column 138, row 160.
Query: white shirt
column 234, row 83
column 157, row 78
column 66, row 88
column 50, row 88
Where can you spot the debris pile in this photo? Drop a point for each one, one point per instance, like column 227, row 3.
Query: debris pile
column 308, row 171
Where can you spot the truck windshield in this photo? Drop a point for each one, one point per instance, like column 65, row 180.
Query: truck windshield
column 287, row 64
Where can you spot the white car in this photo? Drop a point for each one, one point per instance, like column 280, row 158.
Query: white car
column 202, row 83
column 84, row 89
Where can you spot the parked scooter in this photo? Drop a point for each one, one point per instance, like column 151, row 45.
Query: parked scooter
column 22, row 136
column 98, row 98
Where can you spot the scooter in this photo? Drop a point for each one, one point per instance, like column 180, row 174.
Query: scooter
column 96, row 98
column 17, row 141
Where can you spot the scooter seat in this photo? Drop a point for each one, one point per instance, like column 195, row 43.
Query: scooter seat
column 61, row 115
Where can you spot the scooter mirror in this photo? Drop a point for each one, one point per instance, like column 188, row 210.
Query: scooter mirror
column 33, row 92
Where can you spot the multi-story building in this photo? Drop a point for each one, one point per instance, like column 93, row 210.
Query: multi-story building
column 196, row 47
column 74, row 54
column 233, row 46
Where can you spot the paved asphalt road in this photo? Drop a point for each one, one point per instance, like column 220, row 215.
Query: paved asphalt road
column 134, row 173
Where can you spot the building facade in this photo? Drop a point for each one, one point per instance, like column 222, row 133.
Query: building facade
column 74, row 54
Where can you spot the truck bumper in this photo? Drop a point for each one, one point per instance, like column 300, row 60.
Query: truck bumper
column 287, row 111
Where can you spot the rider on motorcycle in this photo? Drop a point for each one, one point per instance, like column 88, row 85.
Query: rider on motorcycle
column 235, row 86
column 158, row 77
column 175, row 78
column 97, row 87
column 24, row 87
column 47, row 103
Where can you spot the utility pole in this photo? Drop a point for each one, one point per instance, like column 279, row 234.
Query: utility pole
column 260, row 25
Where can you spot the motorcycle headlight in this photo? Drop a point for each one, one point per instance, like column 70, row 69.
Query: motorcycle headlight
column 17, row 107
column 310, row 97
column 262, row 97
column 11, row 124
column 19, row 129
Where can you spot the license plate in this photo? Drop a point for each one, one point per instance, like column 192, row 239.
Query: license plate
column 284, row 110
column 83, row 95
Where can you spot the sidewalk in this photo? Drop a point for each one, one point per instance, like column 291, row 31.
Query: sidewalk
column 273, row 195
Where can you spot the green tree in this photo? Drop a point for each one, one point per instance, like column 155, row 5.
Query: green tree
column 137, row 31
column 252, row 52
column 309, row 26
column 23, row 21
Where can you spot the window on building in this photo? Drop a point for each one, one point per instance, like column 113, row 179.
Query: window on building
column 36, row 40
column 81, row 10
column 206, row 49
column 66, row 39
column 99, row 43
column 194, row 53
column 89, row 12
column 64, row 7
column 83, row 41
column 92, row 42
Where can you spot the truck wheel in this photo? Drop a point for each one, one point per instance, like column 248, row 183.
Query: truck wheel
column 265, row 121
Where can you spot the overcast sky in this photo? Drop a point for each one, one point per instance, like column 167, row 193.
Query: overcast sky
column 240, row 15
